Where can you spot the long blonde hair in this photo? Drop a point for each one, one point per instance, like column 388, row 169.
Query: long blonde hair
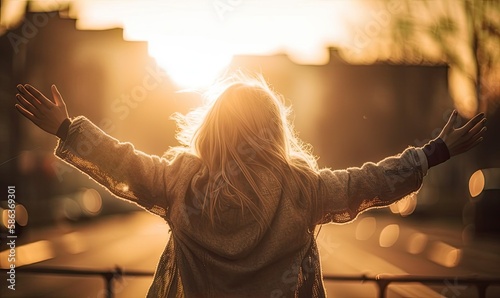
column 243, row 128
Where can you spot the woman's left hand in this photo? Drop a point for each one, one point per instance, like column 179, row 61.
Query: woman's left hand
column 46, row 114
column 461, row 139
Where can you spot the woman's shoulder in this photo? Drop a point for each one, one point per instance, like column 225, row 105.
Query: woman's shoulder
column 183, row 162
column 187, row 159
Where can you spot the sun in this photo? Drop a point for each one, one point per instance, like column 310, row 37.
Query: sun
column 191, row 62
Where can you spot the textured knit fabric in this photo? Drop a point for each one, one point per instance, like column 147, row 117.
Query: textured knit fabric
column 234, row 257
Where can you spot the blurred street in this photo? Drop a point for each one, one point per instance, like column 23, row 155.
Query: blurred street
column 370, row 245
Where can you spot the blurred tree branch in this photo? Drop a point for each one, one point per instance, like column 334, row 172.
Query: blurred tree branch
column 466, row 35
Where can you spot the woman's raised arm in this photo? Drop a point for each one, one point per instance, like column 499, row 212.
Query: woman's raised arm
column 346, row 193
column 126, row 172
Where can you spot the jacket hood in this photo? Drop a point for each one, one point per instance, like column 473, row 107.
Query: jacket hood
column 234, row 226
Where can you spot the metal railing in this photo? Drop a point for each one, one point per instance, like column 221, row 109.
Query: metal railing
column 381, row 280
column 109, row 276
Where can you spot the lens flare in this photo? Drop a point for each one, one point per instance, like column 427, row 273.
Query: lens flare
column 417, row 243
column 389, row 235
column 366, row 228
column 444, row 254
column 476, row 183
column 91, row 202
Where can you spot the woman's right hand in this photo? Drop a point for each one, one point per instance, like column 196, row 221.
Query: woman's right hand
column 461, row 139
column 46, row 114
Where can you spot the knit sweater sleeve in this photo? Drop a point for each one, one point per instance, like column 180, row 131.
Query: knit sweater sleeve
column 343, row 194
column 127, row 173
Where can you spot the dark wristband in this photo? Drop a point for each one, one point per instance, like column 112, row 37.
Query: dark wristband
column 436, row 152
column 63, row 129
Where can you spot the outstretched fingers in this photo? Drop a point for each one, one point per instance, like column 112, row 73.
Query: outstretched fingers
column 478, row 127
column 461, row 139
column 26, row 104
column 26, row 113
column 58, row 100
column 475, row 134
column 473, row 122
column 39, row 96
column 450, row 125
column 34, row 97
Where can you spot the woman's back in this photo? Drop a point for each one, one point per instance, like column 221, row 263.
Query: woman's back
column 234, row 256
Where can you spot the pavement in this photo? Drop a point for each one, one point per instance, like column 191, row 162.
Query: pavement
column 373, row 244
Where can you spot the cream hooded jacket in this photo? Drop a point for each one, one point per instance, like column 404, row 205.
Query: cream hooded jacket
column 235, row 257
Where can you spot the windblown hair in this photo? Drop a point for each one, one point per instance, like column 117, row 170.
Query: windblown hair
column 242, row 129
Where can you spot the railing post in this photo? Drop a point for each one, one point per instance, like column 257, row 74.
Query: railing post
column 108, row 278
column 481, row 289
column 382, row 287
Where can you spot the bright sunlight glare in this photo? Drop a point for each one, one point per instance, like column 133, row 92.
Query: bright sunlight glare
column 194, row 40
column 190, row 61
